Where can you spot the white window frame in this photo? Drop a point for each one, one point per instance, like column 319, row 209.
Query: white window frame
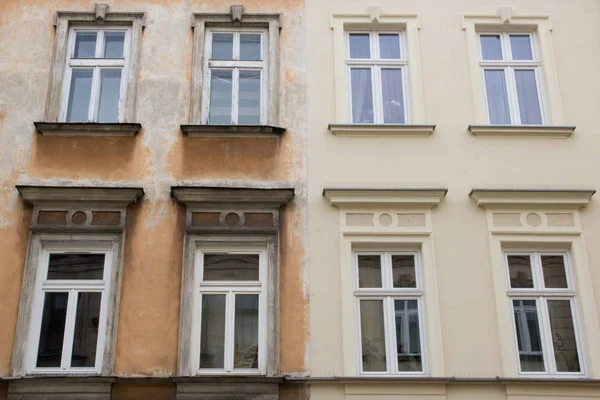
column 73, row 287
column 236, row 65
column 96, row 63
column 230, row 289
column 508, row 65
column 541, row 295
column 388, row 294
column 375, row 63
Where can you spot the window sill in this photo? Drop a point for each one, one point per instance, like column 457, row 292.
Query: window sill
column 87, row 129
column 227, row 131
column 537, row 131
column 381, row 130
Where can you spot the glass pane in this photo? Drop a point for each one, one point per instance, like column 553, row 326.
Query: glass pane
column 393, row 100
column 52, row 332
column 113, row 44
column 563, row 336
column 490, row 47
column 85, row 45
column 497, row 100
column 373, row 335
column 360, row 45
column 212, row 332
column 519, row 269
column 79, row 95
column 407, row 335
column 528, row 336
column 527, row 92
column 521, row 47
column 222, row 46
column 369, row 271
column 231, row 267
column 555, row 276
column 220, row 96
column 110, row 88
column 403, row 271
column 249, row 106
column 250, row 46
column 85, row 338
column 246, row 331
column 389, row 46
column 76, row 266
column 362, row 95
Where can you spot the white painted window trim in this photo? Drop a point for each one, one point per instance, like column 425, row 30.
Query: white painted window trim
column 388, row 294
column 96, row 63
column 541, row 295
column 375, row 63
column 230, row 288
column 236, row 65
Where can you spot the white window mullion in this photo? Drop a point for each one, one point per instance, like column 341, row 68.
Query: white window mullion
column 377, row 95
column 67, row 349
column 390, row 331
column 94, row 96
column 235, row 87
column 546, row 335
column 513, row 100
column 229, row 331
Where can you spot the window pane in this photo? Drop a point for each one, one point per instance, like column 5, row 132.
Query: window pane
column 369, row 271
column 76, row 266
column 250, row 46
column 222, row 46
column 85, row 45
column 393, row 100
column 555, row 276
column 403, row 271
column 220, row 96
column 407, row 335
column 519, row 268
column 360, row 45
column 362, row 95
column 249, row 103
column 52, row 332
column 563, row 336
column 373, row 335
column 110, row 87
column 212, row 332
column 521, row 47
column 529, row 102
column 79, row 95
column 528, row 336
column 389, row 46
column 497, row 99
column 490, row 47
column 231, row 267
column 85, row 338
column 246, row 331
column 113, row 44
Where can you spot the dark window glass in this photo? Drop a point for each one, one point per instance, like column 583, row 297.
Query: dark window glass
column 85, row 338
column 76, row 266
column 52, row 332
column 231, row 267
column 212, row 331
column 246, row 331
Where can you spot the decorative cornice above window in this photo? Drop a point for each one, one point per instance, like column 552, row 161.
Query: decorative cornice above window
column 264, row 197
column 526, row 131
column 385, row 130
column 426, row 197
column 576, row 198
column 37, row 195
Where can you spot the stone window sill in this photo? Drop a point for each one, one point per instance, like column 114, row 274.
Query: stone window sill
column 227, row 131
column 87, row 129
column 381, row 130
column 537, row 131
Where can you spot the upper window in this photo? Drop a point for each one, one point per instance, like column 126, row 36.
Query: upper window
column 543, row 301
column 376, row 63
column 389, row 298
column 235, row 76
column 511, row 76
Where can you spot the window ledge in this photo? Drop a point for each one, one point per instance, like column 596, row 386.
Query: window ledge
column 381, row 130
column 222, row 131
column 540, row 131
column 87, row 129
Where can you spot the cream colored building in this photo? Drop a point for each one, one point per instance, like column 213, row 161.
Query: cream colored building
column 452, row 165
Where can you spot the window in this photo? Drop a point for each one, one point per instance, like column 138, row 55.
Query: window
column 376, row 63
column 543, row 302
column 389, row 298
column 232, row 309
column 511, row 78
column 95, row 78
column 70, row 310
column 235, row 72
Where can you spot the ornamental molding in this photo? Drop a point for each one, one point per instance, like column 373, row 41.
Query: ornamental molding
column 43, row 195
column 349, row 197
column 559, row 198
column 200, row 196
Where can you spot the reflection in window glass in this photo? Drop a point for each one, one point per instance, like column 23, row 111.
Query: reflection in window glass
column 231, row 267
column 76, row 266
column 249, row 100
column 221, row 84
column 250, row 46
column 246, row 331
column 528, row 336
column 553, row 268
column 52, row 331
column 403, row 271
column 563, row 336
column 222, row 46
column 373, row 336
column 408, row 340
column 369, row 271
column 85, row 337
column 212, row 335
column 113, row 44
column 85, row 45
column 79, row 95
column 519, row 268
column 110, row 87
